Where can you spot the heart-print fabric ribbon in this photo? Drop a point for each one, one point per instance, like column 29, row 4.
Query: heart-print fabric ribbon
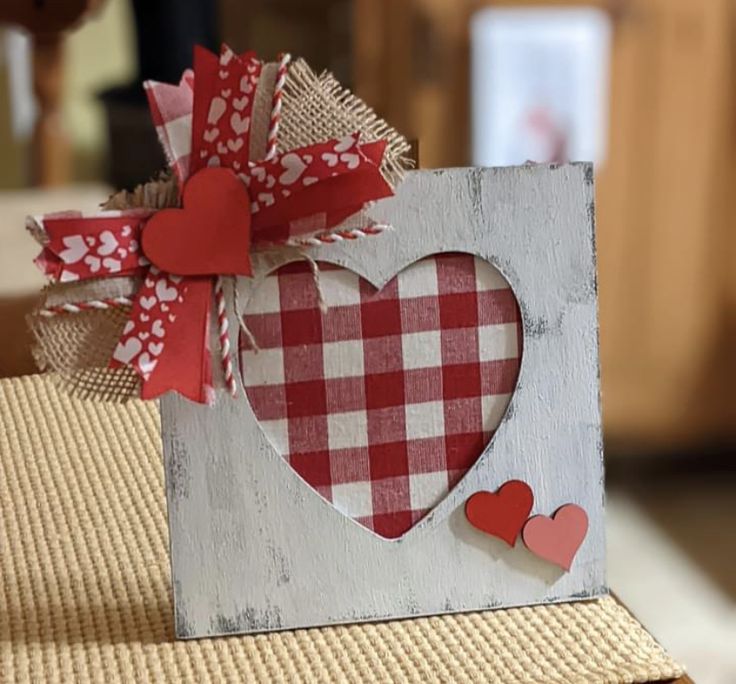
column 231, row 205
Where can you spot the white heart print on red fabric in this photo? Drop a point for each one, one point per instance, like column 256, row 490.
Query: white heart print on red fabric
column 157, row 291
column 384, row 402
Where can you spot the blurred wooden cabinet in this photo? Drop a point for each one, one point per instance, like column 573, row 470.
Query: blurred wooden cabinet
column 666, row 238
column 317, row 30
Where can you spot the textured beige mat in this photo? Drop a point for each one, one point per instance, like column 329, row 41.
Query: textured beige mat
column 85, row 582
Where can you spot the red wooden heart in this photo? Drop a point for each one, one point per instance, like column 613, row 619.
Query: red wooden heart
column 501, row 514
column 557, row 538
column 210, row 235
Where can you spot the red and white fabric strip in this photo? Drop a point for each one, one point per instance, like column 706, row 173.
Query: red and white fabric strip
column 223, row 108
column 166, row 337
column 171, row 111
column 314, row 188
column 209, row 124
column 101, row 245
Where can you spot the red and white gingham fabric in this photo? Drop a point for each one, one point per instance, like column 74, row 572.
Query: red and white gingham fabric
column 171, row 111
column 386, row 400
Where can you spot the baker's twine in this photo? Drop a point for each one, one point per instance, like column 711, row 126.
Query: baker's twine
column 89, row 305
column 223, row 330
column 276, row 102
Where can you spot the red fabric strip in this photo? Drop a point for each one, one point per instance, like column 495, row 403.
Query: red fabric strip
column 334, row 180
column 80, row 248
column 186, row 365
column 223, row 105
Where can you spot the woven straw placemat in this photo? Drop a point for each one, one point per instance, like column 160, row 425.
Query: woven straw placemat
column 85, row 582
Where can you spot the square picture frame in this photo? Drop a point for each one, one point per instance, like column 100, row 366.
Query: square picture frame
column 255, row 549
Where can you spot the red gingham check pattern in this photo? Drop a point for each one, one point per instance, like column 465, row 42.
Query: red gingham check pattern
column 171, row 111
column 385, row 401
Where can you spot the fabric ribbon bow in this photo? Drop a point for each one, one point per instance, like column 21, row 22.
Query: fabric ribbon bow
column 230, row 206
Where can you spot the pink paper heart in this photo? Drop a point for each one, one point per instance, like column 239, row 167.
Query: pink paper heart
column 557, row 538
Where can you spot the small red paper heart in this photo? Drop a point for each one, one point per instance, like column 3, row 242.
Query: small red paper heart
column 210, row 235
column 501, row 514
column 557, row 538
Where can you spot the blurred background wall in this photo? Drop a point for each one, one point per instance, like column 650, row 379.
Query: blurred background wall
column 666, row 239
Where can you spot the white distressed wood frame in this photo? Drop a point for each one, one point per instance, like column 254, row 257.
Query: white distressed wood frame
column 254, row 549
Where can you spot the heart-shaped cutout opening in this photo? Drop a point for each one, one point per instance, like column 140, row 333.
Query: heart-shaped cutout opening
column 385, row 401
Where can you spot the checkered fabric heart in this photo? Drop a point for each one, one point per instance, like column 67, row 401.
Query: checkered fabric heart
column 385, row 401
